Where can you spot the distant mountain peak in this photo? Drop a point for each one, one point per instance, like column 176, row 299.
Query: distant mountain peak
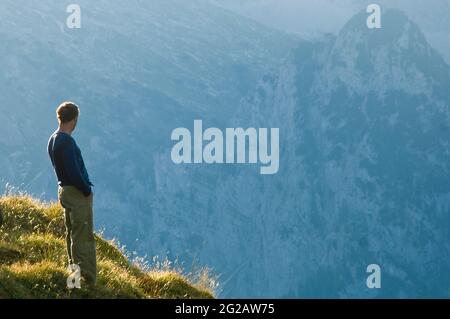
column 396, row 30
column 395, row 57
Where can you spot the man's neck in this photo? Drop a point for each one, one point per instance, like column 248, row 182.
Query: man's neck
column 64, row 130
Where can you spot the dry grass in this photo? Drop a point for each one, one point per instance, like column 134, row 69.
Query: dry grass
column 33, row 261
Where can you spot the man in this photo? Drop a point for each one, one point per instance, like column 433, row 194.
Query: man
column 74, row 192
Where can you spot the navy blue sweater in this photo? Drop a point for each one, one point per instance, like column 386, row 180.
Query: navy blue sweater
column 68, row 163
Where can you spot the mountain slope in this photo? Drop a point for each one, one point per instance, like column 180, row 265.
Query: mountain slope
column 365, row 130
column 363, row 177
column 33, row 257
column 138, row 70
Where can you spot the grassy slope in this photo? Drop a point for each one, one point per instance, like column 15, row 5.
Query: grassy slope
column 33, row 261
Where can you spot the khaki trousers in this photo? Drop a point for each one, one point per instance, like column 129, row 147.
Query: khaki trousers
column 80, row 239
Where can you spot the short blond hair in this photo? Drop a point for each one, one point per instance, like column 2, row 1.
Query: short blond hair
column 67, row 111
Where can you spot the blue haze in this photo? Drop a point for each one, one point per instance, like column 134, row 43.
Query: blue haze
column 364, row 134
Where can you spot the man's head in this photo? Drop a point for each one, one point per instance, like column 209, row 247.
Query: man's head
column 67, row 114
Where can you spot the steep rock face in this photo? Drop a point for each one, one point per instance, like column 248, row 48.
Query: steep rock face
column 371, row 150
column 363, row 177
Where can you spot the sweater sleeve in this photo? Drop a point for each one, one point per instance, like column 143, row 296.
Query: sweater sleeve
column 72, row 169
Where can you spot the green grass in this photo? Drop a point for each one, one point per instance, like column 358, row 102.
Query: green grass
column 33, row 261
